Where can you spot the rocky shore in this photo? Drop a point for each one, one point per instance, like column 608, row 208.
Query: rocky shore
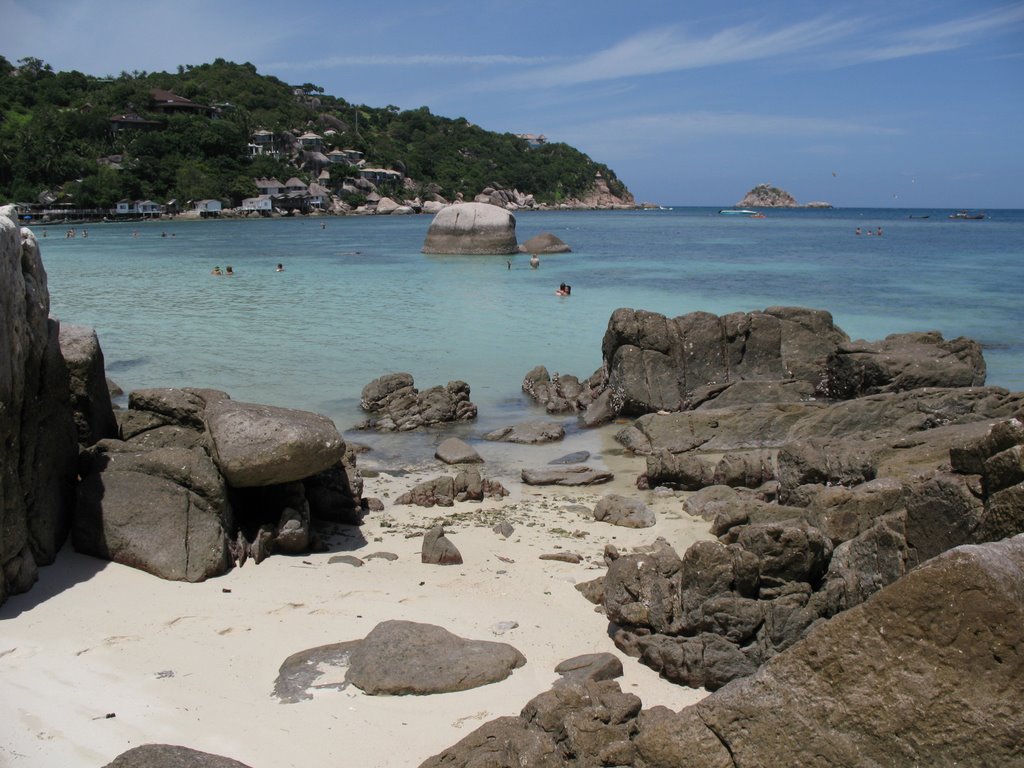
column 823, row 533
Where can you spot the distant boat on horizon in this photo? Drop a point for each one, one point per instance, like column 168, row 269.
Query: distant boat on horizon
column 966, row 215
column 741, row 212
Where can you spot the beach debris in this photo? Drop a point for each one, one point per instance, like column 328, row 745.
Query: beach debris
column 438, row 549
column 504, row 529
column 346, row 559
column 456, row 451
column 565, row 557
column 504, row 626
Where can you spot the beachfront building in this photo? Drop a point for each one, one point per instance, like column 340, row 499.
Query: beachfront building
column 318, row 196
column 380, row 175
column 124, row 208
column 208, row 208
column 295, row 184
column 263, row 204
column 270, row 187
column 148, row 208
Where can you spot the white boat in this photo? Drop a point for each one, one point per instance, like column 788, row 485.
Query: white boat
column 738, row 212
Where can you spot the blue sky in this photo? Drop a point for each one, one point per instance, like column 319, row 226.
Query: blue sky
column 908, row 104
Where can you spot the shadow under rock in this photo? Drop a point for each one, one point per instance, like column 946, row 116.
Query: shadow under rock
column 69, row 569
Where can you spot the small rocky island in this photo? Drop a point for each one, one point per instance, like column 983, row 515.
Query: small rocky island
column 767, row 196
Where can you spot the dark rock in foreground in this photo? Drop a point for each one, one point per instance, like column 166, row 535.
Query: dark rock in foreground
column 926, row 672
column 438, row 549
column 169, row 756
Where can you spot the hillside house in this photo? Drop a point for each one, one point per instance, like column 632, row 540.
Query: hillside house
column 295, row 184
column 269, row 187
column 171, row 103
column 311, row 142
column 262, row 143
column 380, row 175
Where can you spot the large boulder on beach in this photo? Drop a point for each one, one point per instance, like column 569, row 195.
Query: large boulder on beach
column 37, row 429
column 255, row 445
column 170, row 756
column 472, row 228
column 164, row 511
column 400, row 658
column 452, row 450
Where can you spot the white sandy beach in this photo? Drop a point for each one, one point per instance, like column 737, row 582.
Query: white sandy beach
column 98, row 658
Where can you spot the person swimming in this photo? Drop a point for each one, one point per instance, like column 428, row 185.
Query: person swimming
column 534, row 261
column 229, row 271
column 216, row 271
column 280, row 268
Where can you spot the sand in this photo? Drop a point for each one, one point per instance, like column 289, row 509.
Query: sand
column 98, row 657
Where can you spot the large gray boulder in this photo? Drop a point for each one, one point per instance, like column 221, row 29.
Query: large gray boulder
column 544, row 243
column 163, row 511
column 90, row 397
column 37, row 430
column 402, row 657
column 255, row 445
column 472, row 228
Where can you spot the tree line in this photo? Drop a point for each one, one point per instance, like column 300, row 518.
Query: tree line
column 57, row 138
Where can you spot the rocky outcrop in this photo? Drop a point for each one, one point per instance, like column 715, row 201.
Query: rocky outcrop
column 767, row 196
column 472, row 228
column 250, row 485
column 444, row 491
column 926, row 672
column 37, row 429
column 782, row 355
column 724, row 608
column 397, row 406
column 544, row 243
column 601, row 197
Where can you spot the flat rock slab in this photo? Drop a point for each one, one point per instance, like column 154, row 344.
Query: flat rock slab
column 591, row 666
column 624, row 511
column 578, row 457
column 402, row 657
column 313, row 669
column 571, row 475
column 171, row 756
column 529, row 433
column 257, row 445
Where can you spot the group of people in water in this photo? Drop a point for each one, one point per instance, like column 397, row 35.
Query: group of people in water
column 564, row 290
column 878, row 233
column 229, row 271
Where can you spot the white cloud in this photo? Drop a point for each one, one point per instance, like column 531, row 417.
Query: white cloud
column 410, row 60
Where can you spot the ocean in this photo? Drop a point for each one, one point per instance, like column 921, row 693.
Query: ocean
column 357, row 298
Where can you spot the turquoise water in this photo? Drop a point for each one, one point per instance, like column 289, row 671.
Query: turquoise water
column 358, row 299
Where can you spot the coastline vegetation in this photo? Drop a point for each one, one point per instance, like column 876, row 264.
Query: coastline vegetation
column 67, row 137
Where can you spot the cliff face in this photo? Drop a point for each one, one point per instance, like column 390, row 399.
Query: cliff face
column 767, row 196
column 601, row 197
column 37, row 432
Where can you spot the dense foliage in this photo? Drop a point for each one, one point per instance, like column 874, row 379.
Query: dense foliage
column 56, row 136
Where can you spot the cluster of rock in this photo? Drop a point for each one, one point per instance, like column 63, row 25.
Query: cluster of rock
column 654, row 363
column 767, row 196
column 195, row 482
column 182, row 484
column 444, row 491
column 397, row 406
column 905, row 678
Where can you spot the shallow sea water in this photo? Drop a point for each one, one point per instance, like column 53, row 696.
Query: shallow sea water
column 358, row 299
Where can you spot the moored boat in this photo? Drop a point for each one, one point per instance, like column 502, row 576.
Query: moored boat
column 966, row 215
column 740, row 212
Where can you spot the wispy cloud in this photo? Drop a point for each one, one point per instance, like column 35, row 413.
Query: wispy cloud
column 412, row 60
column 935, row 38
column 671, row 49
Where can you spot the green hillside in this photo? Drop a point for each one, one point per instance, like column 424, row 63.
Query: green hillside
column 57, row 135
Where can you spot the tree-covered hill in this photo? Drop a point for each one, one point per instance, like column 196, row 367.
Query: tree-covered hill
column 93, row 141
